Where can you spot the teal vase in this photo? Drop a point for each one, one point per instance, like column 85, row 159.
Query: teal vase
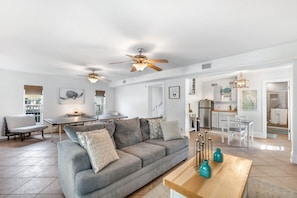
column 218, row 155
column 205, row 170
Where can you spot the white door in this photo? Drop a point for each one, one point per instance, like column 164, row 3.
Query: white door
column 156, row 101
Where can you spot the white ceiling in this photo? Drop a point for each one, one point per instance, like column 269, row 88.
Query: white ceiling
column 69, row 37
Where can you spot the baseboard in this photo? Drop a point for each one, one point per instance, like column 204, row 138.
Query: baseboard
column 293, row 158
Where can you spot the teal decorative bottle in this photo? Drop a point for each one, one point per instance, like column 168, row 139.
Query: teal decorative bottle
column 205, row 170
column 218, row 155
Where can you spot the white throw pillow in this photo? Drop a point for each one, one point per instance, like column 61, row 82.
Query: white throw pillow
column 100, row 149
column 170, row 130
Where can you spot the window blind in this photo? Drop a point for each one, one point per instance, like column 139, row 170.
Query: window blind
column 100, row 93
column 33, row 90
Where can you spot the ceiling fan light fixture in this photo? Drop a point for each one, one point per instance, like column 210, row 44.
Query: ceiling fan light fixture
column 93, row 80
column 140, row 66
column 241, row 82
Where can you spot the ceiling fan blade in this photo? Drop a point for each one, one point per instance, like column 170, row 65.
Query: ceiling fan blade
column 133, row 69
column 157, row 61
column 131, row 56
column 154, row 67
column 120, row 62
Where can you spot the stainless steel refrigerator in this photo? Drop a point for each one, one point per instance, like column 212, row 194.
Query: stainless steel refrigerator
column 205, row 108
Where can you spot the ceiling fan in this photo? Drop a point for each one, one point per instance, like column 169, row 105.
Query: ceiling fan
column 94, row 77
column 140, row 62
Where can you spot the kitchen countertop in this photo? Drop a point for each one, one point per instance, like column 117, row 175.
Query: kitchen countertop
column 232, row 111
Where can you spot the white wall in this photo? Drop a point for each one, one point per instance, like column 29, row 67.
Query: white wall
column 132, row 101
column 256, row 79
column 12, row 86
column 293, row 75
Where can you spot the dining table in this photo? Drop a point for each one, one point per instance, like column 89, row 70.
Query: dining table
column 249, row 124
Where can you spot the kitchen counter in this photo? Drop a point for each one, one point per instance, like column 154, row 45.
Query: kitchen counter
column 233, row 111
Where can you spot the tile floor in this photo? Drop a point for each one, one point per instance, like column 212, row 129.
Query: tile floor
column 29, row 169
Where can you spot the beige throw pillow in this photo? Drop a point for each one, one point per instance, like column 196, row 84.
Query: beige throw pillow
column 100, row 149
column 82, row 138
column 170, row 130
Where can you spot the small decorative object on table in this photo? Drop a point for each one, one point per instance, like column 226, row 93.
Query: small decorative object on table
column 205, row 170
column 218, row 155
column 203, row 149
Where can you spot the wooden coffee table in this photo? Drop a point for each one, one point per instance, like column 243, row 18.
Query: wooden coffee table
column 228, row 179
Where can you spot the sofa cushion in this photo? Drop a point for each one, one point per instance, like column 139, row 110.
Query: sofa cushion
column 87, row 181
column 145, row 129
column 171, row 146
column 100, row 149
column 127, row 132
column 170, row 130
column 148, row 153
column 155, row 128
column 71, row 130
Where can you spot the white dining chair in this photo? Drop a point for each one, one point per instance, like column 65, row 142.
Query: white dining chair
column 236, row 130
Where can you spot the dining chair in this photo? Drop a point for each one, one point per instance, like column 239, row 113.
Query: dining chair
column 236, row 129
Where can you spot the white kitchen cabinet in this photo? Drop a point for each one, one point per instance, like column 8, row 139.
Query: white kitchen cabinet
column 215, row 120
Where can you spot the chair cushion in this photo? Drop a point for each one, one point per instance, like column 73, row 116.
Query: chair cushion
column 27, row 129
column 20, row 121
column 87, row 181
column 100, row 149
column 148, row 153
column 170, row 130
column 171, row 146
column 127, row 132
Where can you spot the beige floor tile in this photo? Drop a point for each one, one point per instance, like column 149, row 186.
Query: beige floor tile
column 289, row 182
column 53, row 188
column 11, row 184
column 34, row 186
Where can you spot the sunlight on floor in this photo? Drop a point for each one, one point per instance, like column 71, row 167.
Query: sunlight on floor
column 272, row 148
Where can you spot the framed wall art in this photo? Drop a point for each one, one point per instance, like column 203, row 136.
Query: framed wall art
column 249, row 99
column 71, row 96
column 174, row 92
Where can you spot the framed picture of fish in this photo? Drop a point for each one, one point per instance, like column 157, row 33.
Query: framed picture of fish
column 71, row 96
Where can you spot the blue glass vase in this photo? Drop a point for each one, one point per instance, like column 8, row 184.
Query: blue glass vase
column 205, row 170
column 218, row 155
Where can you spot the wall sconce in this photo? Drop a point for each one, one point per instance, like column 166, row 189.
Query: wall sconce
column 241, row 82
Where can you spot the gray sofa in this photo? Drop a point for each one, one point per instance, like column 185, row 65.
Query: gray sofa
column 141, row 160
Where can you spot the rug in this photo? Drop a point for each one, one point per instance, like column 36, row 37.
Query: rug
column 256, row 189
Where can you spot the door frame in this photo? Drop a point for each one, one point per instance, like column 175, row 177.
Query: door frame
column 264, row 102
column 151, row 100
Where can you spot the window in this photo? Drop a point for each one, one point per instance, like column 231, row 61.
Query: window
column 100, row 102
column 33, row 101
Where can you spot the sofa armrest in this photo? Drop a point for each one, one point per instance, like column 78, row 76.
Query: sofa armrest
column 72, row 158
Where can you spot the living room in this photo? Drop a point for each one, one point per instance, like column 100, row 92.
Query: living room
column 129, row 94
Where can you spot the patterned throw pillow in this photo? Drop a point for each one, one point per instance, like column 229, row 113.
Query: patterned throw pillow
column 170, row 130
column 100, row 149
column 155, row 128
column 82, row 138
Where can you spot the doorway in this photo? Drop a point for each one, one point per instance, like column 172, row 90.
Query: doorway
column 156, row 100
column 277, row 109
